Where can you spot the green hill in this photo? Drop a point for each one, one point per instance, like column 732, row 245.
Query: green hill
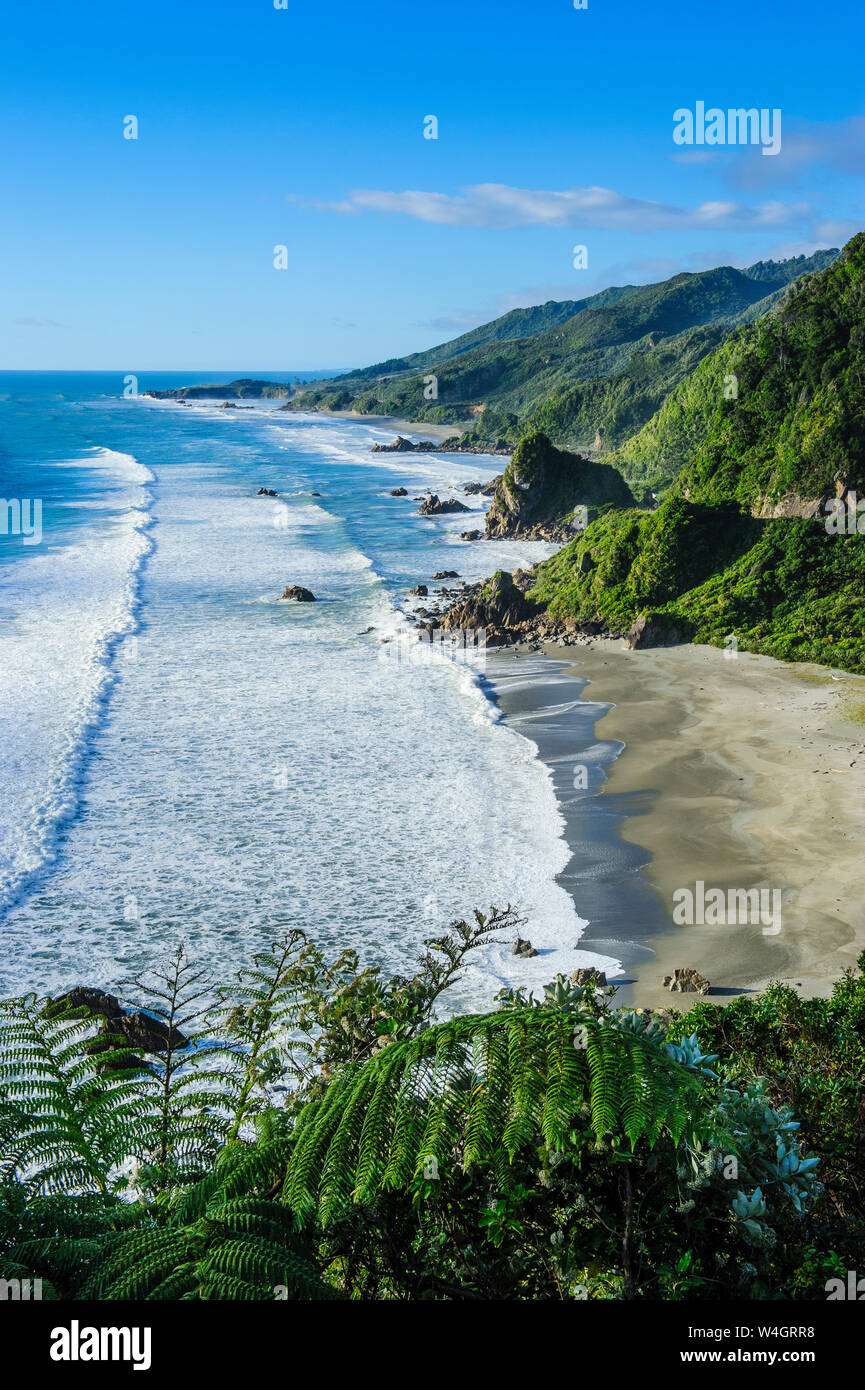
column 517, row 323
column 588, row 379
column 740, row 545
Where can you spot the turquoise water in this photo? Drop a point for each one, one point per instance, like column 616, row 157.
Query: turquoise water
column 186, row 757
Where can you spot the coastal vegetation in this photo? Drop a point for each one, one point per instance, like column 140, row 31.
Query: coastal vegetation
column 322, row 1132
column 754, row 448
column 587, row 373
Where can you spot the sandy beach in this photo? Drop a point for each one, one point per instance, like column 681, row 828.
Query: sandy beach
column 424, row 428
column 743, row 773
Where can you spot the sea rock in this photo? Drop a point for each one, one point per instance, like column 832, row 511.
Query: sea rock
column 136, row 1030
column 470, row 535
column 95, row 1001
column 588, row 975
column 420, row 590
column 146, row 1034
column 432, row 506
column 482, row 489
column 266, row 492
column 523, row 948
column 399, row 492
column 298, row 594
column 446, row 574
column 401, row 445
column 686, row 980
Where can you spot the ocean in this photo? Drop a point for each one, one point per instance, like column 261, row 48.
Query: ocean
column 184, row 757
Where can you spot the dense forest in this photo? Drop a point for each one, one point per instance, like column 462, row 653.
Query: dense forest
column 317, row 1131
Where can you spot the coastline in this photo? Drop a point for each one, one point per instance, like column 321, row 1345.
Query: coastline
column 423, row 428
column 699, row 771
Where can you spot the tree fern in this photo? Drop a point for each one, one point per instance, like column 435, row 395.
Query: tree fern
column 476, row 1089
column 70, row 1117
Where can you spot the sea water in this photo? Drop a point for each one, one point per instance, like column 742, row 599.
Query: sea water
column 185, row 757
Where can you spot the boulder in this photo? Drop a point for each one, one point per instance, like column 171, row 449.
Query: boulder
column 298, row 594
column 432, row 506
column 135, row 1030
column 398, row 492
column 446, row 574
column 686, row 980
column 146, row 1034
column 95, row 1001
column 470, row 535
column 588, row 975
column 420, row 590
column 523, row 948
column 266, row 492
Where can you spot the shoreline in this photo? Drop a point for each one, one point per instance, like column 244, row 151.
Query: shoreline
column 696, row 772
column 438, row 433
column 699, row 771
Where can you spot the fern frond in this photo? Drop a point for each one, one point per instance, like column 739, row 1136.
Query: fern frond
column 475, row 1090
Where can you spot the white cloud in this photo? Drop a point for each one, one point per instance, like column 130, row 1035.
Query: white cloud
column 500, row 205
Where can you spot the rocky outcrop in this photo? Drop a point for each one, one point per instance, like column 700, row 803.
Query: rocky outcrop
column 454, row 444
column 266, row 492
column 91, row 1000
column 471, row 535
column 399, row 492
column 523, row 948
column 298, row 594
column 482, row 489
column 501, row 606
column 446, row 574
column 136, row 1030
column 401, row 445
column 496, row 605
column 541, row 487
column 432, row 506
column 420, row 590
column 686, row 980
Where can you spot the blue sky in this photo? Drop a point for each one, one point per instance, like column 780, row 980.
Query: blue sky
column 304, row 127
